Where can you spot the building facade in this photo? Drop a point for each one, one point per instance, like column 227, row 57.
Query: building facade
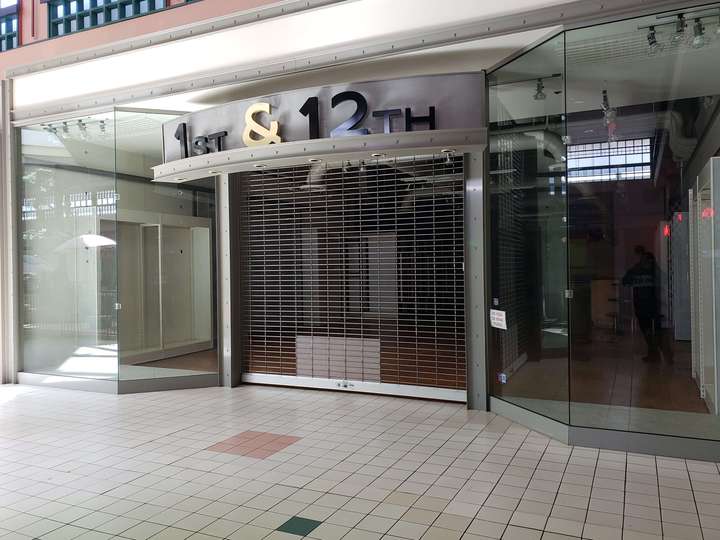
column 510, row 206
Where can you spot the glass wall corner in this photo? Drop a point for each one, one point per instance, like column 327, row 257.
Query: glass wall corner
column 117, row 272
column 603, row 218
column 67, row 263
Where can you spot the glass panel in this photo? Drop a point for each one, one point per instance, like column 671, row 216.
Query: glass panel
column 640, row 95
column 529, row 351
column 68, row 240
column 165, row 259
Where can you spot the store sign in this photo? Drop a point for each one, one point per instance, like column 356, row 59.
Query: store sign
column 416, row 103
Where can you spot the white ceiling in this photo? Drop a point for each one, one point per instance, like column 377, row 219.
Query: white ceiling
column 464, row 57
column 344, row 25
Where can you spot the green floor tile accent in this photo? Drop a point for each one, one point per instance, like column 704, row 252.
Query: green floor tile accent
column 299, row 526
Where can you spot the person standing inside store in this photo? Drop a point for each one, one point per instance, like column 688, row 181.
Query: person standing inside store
column 644, row 278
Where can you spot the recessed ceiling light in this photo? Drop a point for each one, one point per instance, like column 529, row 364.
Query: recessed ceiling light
column 259, row 165
column 214, row 172
column 314, row 160
column 377, row 155
column 448, row 151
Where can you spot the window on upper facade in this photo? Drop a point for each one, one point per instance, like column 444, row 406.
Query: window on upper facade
column 8, row 25
column 8, row 32
column 68, row 16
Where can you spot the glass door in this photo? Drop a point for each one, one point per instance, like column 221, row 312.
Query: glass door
column 528, row 227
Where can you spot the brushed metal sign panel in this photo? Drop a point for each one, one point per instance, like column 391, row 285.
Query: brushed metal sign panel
column 457, row 100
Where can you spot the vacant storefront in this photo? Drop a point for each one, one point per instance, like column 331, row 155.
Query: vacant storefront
column 347, row 252
column 603, row 186
column 535, row 235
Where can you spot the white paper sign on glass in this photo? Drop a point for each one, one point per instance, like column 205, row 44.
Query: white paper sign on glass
column 498, row 319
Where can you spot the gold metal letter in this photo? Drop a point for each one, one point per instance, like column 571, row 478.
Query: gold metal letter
column 266, row 135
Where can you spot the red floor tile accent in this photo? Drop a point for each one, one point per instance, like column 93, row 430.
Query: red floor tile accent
column 255, row 444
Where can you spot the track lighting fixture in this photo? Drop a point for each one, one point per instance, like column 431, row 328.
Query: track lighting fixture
column 654, row 46
column 699, row 39
column 539, row 91
column 82, row 126
column 679, row 34
column 609, row 116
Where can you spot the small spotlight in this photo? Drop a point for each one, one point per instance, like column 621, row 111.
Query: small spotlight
column 653, row 46
column 362, row 167
column 213, row 172
column 679, row 35
column 699, row 39
column 539, row 91
column 82, row 126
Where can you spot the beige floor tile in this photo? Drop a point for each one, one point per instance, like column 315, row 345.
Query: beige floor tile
column 406, row 529
column 376, row 524
column 521, row 533
column 486, row 528
column 418, row 515
column 438, row 533
column 328, row 531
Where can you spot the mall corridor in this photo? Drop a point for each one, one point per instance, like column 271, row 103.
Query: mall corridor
column 280, row 463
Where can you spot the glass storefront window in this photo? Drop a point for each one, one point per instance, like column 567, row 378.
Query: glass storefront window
column 117, row 271
column 166, row 238
column 529, row 359
column 644, row 98
column 68, row 246
column 635, row 117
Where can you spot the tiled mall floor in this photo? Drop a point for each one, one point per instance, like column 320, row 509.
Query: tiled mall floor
column 177, row 465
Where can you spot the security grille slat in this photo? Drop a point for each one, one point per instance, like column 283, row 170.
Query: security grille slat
column 355, row 271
